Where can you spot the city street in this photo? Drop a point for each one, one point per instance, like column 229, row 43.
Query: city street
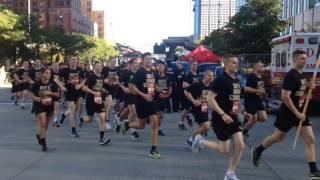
column 82, row 159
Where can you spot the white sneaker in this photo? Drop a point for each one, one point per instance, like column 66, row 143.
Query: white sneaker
column 196, row 145
column 231, row 176
column 108, row 125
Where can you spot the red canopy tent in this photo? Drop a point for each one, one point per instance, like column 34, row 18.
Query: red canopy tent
column 202, row 55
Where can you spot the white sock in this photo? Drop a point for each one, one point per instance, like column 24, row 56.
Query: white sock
column 230, row 172
column 55, row 119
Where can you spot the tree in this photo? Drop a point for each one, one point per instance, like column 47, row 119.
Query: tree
column 102, row 51
column 251, row 29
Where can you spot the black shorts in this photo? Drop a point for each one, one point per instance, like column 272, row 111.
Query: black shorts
column 222, row 130
column 23, row 86
column 92, row 108
column 287, row 120
column 14, row 88
column 186, row 104
column 129, row 99
column 252, row 107
column 72, row 95
column 161, row 104
column 82, row 94
column 41, row 109
column 145, row 109
column 199, row 116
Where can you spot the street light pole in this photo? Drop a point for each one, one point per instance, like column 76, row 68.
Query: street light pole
column 29, row 15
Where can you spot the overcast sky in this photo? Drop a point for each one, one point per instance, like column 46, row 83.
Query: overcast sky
column 141, row 23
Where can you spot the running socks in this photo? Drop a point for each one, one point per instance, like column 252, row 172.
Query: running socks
column 313, row 167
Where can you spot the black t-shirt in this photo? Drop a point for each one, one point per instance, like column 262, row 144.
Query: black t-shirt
column 96, row 83
column 163, row 82
column 253, row 82
column 12, row 71
column 87, row 73
column 199, row 91
column 228, row 92
column 178, row 78
column 112, row 75
column 126, row 77
column 23, row 74
column 38, row 88
column 191, row 78
column 144, row 81
column 35, row 74
column 297, row 84
column 72, row 77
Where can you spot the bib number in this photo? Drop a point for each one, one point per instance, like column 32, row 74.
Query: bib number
column 301, row 101
column 98, row 100
column 204, row 107
column 47, row 101
column 151, row 89
column 235, row 107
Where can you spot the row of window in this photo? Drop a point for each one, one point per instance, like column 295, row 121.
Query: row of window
column 281, row 59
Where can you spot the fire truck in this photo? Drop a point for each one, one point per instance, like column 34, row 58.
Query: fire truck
column 281, row 59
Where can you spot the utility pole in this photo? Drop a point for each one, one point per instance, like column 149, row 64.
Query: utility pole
column 29, row 15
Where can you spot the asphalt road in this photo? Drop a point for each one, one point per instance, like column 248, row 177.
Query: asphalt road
column 83, row 158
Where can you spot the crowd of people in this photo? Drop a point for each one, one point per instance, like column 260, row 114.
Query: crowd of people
column 138, row 93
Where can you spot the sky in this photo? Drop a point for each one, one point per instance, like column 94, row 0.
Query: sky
column 142, row 23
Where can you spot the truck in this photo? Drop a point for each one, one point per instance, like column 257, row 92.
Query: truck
column 281, row 59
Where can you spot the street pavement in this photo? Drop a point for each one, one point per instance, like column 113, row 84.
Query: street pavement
column 124, row 159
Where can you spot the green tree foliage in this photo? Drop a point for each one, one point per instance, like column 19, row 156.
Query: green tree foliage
column 250, row 30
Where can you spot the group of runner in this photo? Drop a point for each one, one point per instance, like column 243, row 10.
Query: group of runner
column 138, row 94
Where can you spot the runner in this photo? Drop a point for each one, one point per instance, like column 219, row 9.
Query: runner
column 96, row 91
column 143, row 85
column 197, row 94
column 290, row 114
column 189, row 79
column 82, row 94
column 14, row 88
column 57, row 101
column 129, row 97
column 43, row 92
column 178, row 94
column 163, row 92
column 73, row 80
column 23, row 79
column 224, row 99
column 254, row 92
column 35, row 75
column 111, row 75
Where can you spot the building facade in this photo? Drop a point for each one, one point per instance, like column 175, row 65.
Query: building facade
column 98, row 17
column 211, row 15
column 86, row 8
column 64, row 13
column 302, row 15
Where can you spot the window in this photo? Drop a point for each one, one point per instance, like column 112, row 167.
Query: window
column 278, row 60
column 283, row 59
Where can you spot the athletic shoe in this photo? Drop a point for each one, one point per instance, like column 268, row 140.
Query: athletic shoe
column 160, row 133
column 74, row 134
column 255, row 157
column 104, row 141
column 182, row 126
column 16, row 102
column 190, row 122
column 22, row 107
column 189, row 142
column 155, row 154
column 314, row 175
column 135, row 135
column 55, row 124
column 125, row 127
column 12, row 98
column 81, row 121
column 196, row 146
column 108, row 125
column 118, row 126
column 63, row 116
column 231, row 176
column 38, row 139
column 44, row 145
